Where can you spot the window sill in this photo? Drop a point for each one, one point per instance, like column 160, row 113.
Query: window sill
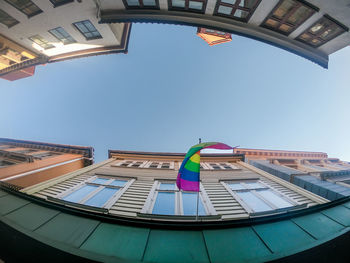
column 78, row 206
column 277, row 211
column 179, row 217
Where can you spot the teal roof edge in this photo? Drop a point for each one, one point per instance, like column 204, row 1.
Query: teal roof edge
column 103, row 240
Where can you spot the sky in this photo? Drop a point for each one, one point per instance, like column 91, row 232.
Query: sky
column 173, row 88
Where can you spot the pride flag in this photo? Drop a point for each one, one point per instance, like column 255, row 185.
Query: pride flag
column 188, row 176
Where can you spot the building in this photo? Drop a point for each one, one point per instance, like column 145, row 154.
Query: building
column 25, row 163
column 213, row 37
column 128, row 209
column 313, row 29
column 38, row 32
column 313, row 171
column 34, row 32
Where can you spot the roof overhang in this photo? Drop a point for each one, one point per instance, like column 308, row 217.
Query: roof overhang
column 216, row 23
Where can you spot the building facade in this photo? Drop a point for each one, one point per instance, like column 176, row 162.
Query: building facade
column 143, row 185
column 36, row 32
column 313, row 29
column 128, row 209
column 39, row 32
column 313, row 171
column 25, row 163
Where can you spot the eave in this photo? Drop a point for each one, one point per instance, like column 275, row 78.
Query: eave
column 217, row 23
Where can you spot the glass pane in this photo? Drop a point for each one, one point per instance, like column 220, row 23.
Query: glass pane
column 271, row 22
column 165, row 204
column 100, row 181
column 190, row 204
column 79, row 194
column 120, row 183
column 248, row 3
column 301, row 14
column 167, row 186
column 316, row 28
column 285, row 28
column 330, row 33
column 195, row 5
column 241, row 14
column 133, row 2
column 232, row 2
column 224, row 10
column 274, row 199
column 149, row 2
column 255, row 203
column 236, row 186
column 284, row 8
column 254, row 185
column 179, row 3
column 101, row 197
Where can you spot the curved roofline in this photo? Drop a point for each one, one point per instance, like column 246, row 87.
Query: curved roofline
column 217, row 23
column 165, row 154
column 169, row 224
column 87, row 149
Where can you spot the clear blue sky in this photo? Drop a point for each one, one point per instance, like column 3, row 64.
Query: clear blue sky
column 172, row 88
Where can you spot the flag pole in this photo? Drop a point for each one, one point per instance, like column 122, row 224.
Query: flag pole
column 197, row 204
column 200, row 141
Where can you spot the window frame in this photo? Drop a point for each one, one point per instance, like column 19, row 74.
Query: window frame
column 254, row 191
column 21, row 10
column 56, row 28
column 186, row 8
column 8, row 161
column 55, row 4
column 209, row 166
column 152, row 198
column 284, row 20
column 317, row 36
column 141, row 6
column 9, row 17
column 83, row 34
column 108, row 204
column 145, row 164
column 236, row 7
column 42, row 40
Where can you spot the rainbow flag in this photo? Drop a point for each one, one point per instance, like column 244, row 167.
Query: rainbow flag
column 188, row 176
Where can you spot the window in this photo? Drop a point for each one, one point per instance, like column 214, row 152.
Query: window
column 62, row 35
column 26, row 151
column 145, row 4
column 25, row 6
column 218, row 166
column 60, row 2
column 168, row 200
column 322, row 31
column 288, row 15
column 4, row 163
column 145, row 164
column 236, row 9
column 188, row 5
column 7, row 20
column 41, row 42
column 87, row 29
column 100, row 192
column 44, row 155
column 256, row 197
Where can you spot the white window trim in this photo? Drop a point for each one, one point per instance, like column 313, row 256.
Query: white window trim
column 255, row 192
column 152, row 197
column 109, row 203
column 145, row 164
column 208, row 166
